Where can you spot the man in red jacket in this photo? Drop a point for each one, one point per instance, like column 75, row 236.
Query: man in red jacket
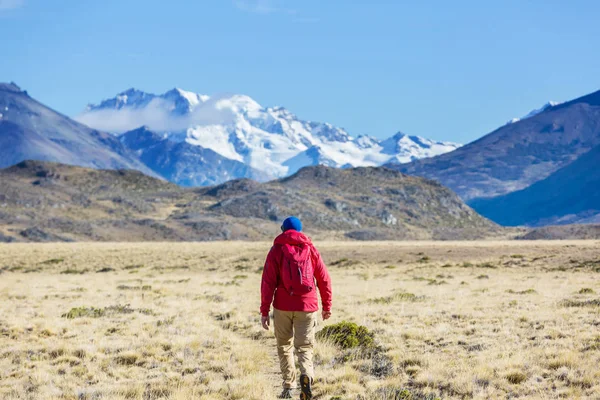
column 292, row 268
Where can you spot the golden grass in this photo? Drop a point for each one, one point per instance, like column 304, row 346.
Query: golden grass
column 180, row 321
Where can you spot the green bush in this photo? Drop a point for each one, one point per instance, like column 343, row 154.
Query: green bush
column 347, row 335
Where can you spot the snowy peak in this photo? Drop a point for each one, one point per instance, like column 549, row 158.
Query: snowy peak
column 537, row 111
column 271, row 140
column 183, row 102
column 313, row 156
column 129, row 98
column 366, row 142
column 405, row 148
column 175, row 100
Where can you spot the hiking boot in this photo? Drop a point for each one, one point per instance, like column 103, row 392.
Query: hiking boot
column 305, row 385
column 286, row 394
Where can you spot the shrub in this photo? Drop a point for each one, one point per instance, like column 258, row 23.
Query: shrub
column 486, row 265
column 586, row 291
column 80, row 312
column 435, row 282
column 347, row 335
column 72, row 271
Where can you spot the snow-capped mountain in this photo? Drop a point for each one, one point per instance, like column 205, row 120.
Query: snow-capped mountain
column 271, row 140
column 532, row 113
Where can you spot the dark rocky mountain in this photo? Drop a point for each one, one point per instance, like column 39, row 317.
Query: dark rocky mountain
column 42, row 201
column 30, row 130
column 518, row 154
column 570, row 195
column 183, row 163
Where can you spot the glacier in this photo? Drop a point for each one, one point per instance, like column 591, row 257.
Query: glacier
column 271, row 140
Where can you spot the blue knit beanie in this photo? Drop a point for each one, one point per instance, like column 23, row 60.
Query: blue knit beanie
column 291, row 223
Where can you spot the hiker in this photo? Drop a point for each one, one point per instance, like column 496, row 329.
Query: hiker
column 292, row 268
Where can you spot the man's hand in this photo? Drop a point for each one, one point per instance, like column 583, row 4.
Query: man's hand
column 266, row 321
column 326, row 315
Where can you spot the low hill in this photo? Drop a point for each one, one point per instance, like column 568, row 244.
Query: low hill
column 42, row 201
column 570, row 195
column 563, row 232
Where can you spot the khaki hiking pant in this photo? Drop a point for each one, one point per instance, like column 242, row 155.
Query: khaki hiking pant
column 299, row 326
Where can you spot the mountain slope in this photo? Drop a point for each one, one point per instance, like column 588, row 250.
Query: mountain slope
column 183, row 163
column 30, row 130
column 518, row 154
column 365, row 203
column 42, row 201
column 271, row 140
column 570, row 195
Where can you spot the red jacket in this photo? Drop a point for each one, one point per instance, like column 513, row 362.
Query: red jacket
column 272, row 285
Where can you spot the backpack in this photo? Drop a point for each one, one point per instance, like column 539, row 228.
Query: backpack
column 297, row 269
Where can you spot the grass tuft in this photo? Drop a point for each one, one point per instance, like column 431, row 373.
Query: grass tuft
column 580, row 303
column 93, row 312
column 53, row 261
column 527, row 291
column 396, row 297
column 515, row 377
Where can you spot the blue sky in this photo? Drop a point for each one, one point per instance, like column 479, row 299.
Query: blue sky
column 448, row 70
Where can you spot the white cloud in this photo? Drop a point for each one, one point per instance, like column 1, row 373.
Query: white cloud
column 11, row 4
column 262, row 6
column 256, row 6
column 157, row 117
column 271, row 7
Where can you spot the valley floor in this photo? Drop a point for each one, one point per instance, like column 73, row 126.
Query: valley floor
column 180, row 321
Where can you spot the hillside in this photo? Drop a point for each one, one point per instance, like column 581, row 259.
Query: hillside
column 518, row 154
column 563, row 232
column 30, row 130
column 570, row 195
column 52, row 202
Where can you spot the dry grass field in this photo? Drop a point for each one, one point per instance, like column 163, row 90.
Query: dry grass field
column 180, row 321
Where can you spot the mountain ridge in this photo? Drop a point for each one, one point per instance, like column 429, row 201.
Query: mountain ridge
column 571, row 195
column 44, row 201
column 516, row 155
column 31, row 130
column 272, row 140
